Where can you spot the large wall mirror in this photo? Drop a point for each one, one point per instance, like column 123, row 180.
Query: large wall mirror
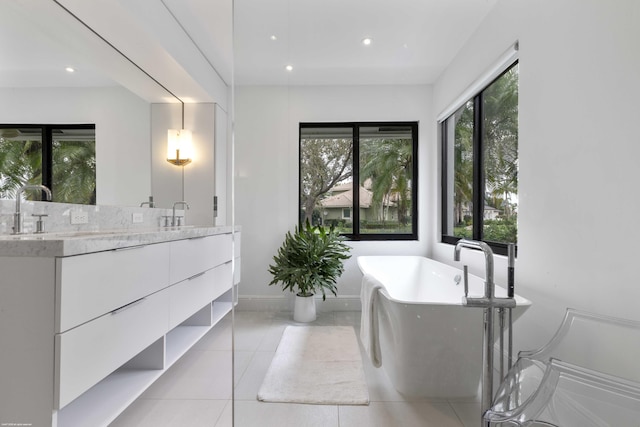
column 56, row 72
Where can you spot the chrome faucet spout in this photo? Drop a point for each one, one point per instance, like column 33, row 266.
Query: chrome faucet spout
column 17, row 216
column 173, row 217
column 488, row 255
column 150, row 203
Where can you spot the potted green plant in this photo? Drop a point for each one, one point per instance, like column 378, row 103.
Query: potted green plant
column 309, row 261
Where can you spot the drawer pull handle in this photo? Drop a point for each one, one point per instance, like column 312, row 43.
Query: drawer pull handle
column 128, row 248
column 196, row 275
column 124, row 307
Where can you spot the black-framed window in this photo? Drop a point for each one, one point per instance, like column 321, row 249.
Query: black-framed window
column 361, row 178
column 480, row 166
column 60, row 156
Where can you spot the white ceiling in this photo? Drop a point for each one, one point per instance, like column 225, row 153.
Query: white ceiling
column 413, row 40
column 182, row 43
column 31, row 56
column 39, row 39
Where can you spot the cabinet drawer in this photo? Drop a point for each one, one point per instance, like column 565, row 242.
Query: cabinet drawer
column 87, row 354
column 192, row 294
column 193, row 256
column 88, row 286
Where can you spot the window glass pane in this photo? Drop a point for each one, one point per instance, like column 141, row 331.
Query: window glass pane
column 326, row 176
column 459, row 146
column 74, row 166
column 500, row 142
column 386, row 168
column 20, row 161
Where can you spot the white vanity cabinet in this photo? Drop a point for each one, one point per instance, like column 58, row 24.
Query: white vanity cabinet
column 195, row 255
column 84, row 335
column 108, row 309
column 93, row 284
column 185, row 298
column 201, row 271
column 89, row 353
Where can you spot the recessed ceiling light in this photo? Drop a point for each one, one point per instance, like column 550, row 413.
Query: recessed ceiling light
column 366, row 41
column 273, row 37
column 70, row 69
column 289, row 67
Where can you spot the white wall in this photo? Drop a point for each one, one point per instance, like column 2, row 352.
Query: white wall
column 266, row 167
column 579, row 149
column 122, row 122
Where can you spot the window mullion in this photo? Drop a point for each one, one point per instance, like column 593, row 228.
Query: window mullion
column 414, row 179
column 444, row 181
column 47, row 157
column 478, row 168
column 356, row 182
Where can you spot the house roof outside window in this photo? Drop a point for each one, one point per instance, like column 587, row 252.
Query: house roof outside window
column 342, row 197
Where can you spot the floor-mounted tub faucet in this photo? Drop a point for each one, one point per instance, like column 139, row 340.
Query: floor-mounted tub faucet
column 17, row 216
column 489, row 302
column 174, row 219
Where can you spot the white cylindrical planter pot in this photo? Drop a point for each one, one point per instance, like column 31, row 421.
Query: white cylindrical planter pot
column 304, row 309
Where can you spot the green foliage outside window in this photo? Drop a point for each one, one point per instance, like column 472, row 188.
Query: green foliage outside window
column 382, row 158
column 498, row 138
column 73, row 165
column 74, row 172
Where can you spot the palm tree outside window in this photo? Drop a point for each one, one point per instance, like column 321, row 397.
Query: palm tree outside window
column 62, row 157
column 480, row 166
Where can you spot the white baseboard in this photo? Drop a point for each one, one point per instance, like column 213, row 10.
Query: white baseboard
column 285, row 303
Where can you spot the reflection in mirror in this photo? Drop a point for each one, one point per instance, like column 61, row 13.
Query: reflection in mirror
column 105, row 90
column 62, row 158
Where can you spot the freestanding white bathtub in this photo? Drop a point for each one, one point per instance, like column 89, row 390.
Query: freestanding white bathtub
column 431, row 345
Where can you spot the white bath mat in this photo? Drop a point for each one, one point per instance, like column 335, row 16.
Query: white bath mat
column 316, row 364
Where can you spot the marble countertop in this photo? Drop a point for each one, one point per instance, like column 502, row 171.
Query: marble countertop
column 80, row 242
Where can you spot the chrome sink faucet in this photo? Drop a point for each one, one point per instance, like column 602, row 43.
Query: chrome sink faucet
column 150, row 203
column 17, row 216
column 175, row 220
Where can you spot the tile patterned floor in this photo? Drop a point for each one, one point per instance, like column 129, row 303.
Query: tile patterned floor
column 196, row 391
